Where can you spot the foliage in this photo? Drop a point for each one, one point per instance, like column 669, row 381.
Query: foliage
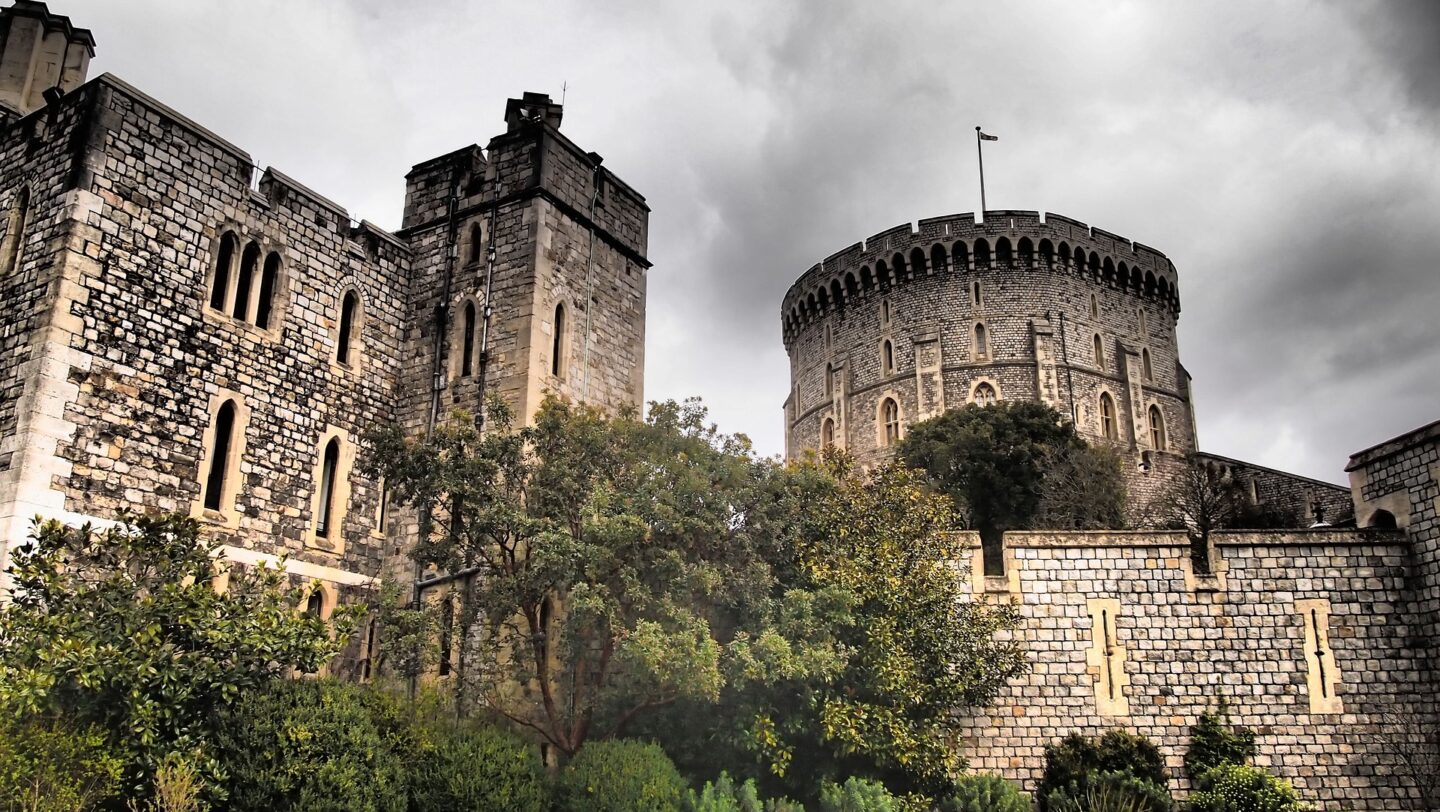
column 1214, row 743
column 620, row 776
column 1076, row 762
column 994, row 462
column 121, row 629
column 1108, row 791
column 984, row 793
column 857, row 795
column 178, row 787
column 312, row 745
column 723, row 795
column 1238, row 788
column 46, row 767
column 478, row 769
column 603, row 550
column 405, row 642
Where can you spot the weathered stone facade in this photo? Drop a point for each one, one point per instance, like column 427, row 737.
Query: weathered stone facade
column 1018, row 306
column 177, row 336
column 1122, row 632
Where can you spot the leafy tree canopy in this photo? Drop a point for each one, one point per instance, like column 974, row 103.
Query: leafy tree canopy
column 121, row 629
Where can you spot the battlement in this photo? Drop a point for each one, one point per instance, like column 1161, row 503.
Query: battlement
column 957, row 243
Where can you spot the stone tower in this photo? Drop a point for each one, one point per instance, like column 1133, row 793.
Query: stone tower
column 39, row 51
column 557, row 241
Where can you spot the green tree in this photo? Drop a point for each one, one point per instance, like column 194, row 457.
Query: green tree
column 601, row 562
column 994, row 462
column 122, row 630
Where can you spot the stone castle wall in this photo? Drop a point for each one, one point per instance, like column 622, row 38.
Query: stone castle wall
column 1122, row 633
column 1046, row 291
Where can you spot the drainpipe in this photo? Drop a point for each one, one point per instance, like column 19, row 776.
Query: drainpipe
column 1069, row 381
column 487, row 309
column 590, row 276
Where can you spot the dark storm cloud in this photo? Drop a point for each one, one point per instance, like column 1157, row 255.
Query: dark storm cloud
column 1283, row 154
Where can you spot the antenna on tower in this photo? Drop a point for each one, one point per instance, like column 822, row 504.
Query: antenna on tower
column 563, row 87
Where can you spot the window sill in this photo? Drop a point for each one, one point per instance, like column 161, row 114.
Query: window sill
column 220, row 317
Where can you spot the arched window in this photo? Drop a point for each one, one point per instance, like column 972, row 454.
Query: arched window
column 1047, row 252
column 1157, row 429
column 1003, row 255
column 937, row 258
column 315, row 604
column 1144, row 324
column 220, row 457
column 1099, row 351
column 324, row 519
column 887, row 358
column 960, row 257
column 268, row 279
column 1107, row 417
column 982, row 254
column 349, row 315
column 1094, row 306
column 976, row 295
column 1382, row 519
column 890, row 422
column 829, row 381
column 884, row 311
column 557, row 350
column 467, row 361
column 985, row 395
column 249, row 266
column 982, row 341
column 1145, row 367
column 827, row 433
column 917, row 262
column 220, row 282
column 1026, row 249
column 15, row 239
column 475, row 244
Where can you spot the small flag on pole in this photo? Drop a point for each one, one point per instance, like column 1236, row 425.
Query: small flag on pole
column 984, row 137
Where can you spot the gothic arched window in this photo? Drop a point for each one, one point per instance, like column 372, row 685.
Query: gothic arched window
column 349, row 319
column 827, row 433
column 467, row 343
column 557, row 350
column 890, row 419
column 325, row 519
column 1157, row 429
column 1108, row 426
column 982, row 341
column 215, row 478
column 1099, row 351
column 887, row 358
column 985, row 395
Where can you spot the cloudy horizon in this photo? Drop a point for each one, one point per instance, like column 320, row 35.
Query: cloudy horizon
column 1285, row 155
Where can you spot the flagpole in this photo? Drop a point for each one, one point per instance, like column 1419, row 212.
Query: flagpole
column 980, row 154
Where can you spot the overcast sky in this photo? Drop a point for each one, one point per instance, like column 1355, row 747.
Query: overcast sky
column 1285, row 155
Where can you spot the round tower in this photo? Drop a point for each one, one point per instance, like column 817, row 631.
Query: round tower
column 917, row 320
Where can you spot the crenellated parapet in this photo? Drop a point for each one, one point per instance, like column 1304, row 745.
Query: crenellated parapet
column 1005, row 240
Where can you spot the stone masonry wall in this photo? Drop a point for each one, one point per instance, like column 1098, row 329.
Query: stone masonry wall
column 1121, row 633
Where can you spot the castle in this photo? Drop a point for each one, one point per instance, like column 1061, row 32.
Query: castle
column 184, row 331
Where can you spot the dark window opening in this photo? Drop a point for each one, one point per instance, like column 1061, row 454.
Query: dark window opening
column 347, row 326
column 330, row 462
column 220, row 456
column 467, row 361
column 557, row 352
column 221, row 284
column 267, row 291
column 248, row 264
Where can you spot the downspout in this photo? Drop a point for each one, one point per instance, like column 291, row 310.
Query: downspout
column 486, row 310
column 1069, row 381
column 590, row 277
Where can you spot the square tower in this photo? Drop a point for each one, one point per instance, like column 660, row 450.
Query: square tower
column 528, row 274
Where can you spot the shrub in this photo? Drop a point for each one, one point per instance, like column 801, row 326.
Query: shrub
column 984, row 793
column 1109, row 791
column 480, row 769
column 1070, row 764
column 51, row 768
column 311, row 745
column 1213, row 743
column 857, row 795
column 620, row 776
column 722, row 795
column 1238, row 788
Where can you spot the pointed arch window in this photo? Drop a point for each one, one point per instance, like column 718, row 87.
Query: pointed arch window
column 476, row 244
column 249, row 266
column 1145, row 368
column 19, row 221
column 1094, row 306
column 827, row 433
column 884, row 311
column 329, row 467
column 220, row 281
column 1108, row 426
column 467, row 360
column 1144, row 323
column 1157, row 429
column 977, row 296
column 349, row 321
column 890, row 422
column 982, row 340
column 266, row 301
column 887, row 358
column 829, row 381
column 985, row 395
column 315, row 604
column 557, row 351
column 1099, row 351
column 215, row 478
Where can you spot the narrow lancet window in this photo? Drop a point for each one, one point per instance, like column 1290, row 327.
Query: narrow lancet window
column 266, row 302
column 220, row 456
column 467, row 361
column 324, row 521
column 348, row 307
column 249, row 263
column 220, row 284
column 557, row 352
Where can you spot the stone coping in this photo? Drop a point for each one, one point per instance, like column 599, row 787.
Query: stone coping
column 1089, row 539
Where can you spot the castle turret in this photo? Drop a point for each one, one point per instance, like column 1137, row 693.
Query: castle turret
column 39, row 51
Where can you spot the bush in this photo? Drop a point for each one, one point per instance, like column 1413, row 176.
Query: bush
column 1070, row 764
column 312, row 745
column 1213, row 743
column 620, row 776
column 1109, row 791
column 50, row 768
column 857, row 795
column 984, row 793
column 480, row 769
column 1237, row 788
